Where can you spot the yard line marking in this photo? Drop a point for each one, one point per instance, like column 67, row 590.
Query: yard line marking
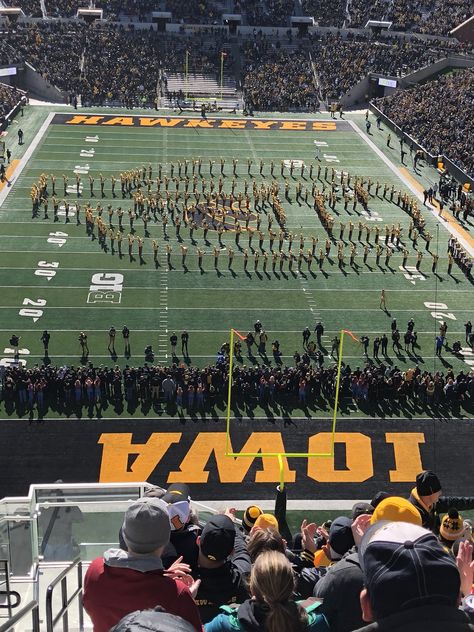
column 407, row 357
column 233, row 309
column 190, row 270
column 221, row 289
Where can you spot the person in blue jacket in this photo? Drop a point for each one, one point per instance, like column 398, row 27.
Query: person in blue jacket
column 271, row 607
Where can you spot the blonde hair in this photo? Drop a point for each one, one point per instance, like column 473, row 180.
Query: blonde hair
column 272, row 584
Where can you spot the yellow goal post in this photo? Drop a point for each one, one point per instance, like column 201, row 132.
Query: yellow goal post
column 281, row 455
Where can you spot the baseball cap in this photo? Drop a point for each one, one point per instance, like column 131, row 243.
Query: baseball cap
column 179, row 514
column 156, row 620
column 427, row 483
column 340, row 535
column 146, row 526
column 360, row 509
column 396, row 509
column 405, row 567
column 176, row 492
column 217, row 538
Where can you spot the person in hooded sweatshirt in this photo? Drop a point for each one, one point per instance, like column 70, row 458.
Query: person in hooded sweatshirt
column 271, row 607
column 184, row 527
column 121, row 581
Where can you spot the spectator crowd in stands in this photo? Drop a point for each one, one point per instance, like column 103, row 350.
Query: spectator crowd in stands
column 278, row 80
column 31, row 8
column 357, row 573
column 436, row 17
column 9, row 98
column 426, row 112
column 109, row 63
column 278, row 77
column 326, row 12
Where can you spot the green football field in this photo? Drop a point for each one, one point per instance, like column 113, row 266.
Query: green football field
column 54, row 276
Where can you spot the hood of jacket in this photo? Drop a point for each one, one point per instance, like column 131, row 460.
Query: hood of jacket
column 251, row 616
column 119, row 558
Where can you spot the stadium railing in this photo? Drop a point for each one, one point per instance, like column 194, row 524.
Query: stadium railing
column 31, row 611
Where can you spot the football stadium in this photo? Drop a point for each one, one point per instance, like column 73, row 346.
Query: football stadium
column 236, row 298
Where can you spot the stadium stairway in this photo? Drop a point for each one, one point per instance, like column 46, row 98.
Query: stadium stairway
column 202, row 88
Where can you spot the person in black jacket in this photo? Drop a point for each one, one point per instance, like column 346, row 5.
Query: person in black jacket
column 428, row 583
column 224, row 564
column 426, row 497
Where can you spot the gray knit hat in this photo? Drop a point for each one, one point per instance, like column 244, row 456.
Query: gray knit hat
column 146, row 526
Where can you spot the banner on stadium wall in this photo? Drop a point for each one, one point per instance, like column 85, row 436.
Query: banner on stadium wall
column 369, row 455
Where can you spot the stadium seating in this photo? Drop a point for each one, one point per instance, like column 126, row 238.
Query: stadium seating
column 427, row 113
column 9, row 98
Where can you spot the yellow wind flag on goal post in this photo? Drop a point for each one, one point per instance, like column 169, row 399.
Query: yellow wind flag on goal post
column 282, row 456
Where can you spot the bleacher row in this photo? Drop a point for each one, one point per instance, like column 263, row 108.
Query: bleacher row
column 419, row 16
column 276, row 75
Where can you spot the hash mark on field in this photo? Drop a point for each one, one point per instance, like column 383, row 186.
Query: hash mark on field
column 163, row 307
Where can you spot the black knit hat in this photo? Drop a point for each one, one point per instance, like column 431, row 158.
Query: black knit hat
column 427, row 483
column 377, row 499
column 360, row 509
column 340, row 535
column 250, row 515
column 156, row 620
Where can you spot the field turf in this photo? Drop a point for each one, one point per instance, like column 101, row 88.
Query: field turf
column 157, row 300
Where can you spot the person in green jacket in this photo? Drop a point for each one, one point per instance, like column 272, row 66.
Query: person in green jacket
column 271, row 607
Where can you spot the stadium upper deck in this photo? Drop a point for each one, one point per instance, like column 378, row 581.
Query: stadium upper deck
column 436, row 17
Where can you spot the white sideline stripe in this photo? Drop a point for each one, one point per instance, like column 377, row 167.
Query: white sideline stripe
column 226, row 309
column 408, row 184
column 210, row 270
column 408, row 358
column 291, row 505
column 224, row 331
column 28, row 153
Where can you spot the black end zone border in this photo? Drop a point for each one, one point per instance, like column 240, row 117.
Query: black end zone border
column 370, row 455
column 189, row 122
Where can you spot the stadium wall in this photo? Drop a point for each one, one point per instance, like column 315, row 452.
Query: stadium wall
column 29, row 79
